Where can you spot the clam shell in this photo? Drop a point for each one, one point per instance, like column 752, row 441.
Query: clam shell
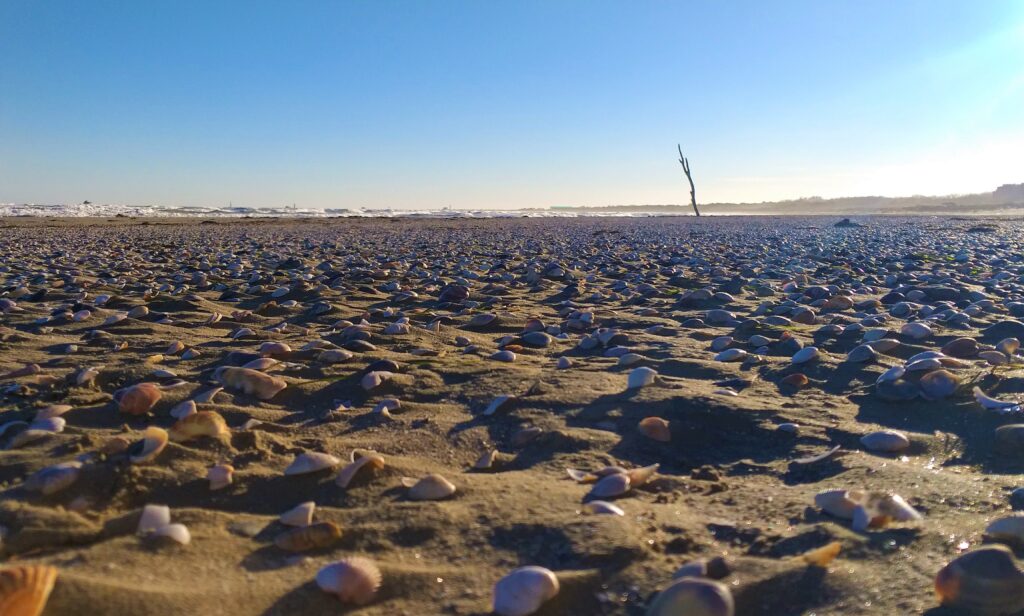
column 220, row 476
column 311, row 462
column 250, row 382
column 299, row 515
column 1008, row 529
column 53, row 479
column 311, row 537
column 916, row 330
column 374, row 379
column 609, row 486
column 692, row 596
column 862, row 353
column 730, row 355
column 805, row 355
column 994, row 358
column 154, row 440
column 1009, row 346
column 655, row 428
column 522, row 591
column 184, row 409
column 430, row 487
column 889, row 441
column 891, row 374
column 203, row 423
column 54, row 410
column 603, row 507
column 153, row 517
column 354, row 580
column 985, row 581
column 640, row 476
column 839, row 503
column 885, row 345
column 641, row 377
column 138, row 399
column 25, row 589
column 961, row 347
column 368, row 460
column 177, row 533
column 938, row 384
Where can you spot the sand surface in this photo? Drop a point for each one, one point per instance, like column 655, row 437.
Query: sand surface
column 727, row 484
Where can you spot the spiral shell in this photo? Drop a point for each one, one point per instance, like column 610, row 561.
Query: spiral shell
column 354, row 580
column 524, row 590
column 312, row 537
column 24, row 590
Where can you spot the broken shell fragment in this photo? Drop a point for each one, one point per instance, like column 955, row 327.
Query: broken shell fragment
column 524, row 590
column 839, row 503
column 430, row 487
column 311, row 537
column 300, row 515
column 354, row 580
column 153, row 517
column 990, row 403
column 486, row 460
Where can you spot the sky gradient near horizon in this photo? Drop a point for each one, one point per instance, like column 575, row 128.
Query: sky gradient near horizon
column 499, row 104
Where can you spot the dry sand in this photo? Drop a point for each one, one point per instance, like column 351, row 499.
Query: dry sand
column 727, row 484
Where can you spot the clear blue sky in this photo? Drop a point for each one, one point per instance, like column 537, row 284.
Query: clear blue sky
column 505, row 104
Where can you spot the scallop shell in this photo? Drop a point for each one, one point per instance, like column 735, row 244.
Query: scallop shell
column 154, row 440
column 203, row 423
column 889, row 441
column 655, row 428
column 299, row 515
column 985, row 581
column 53, row 479
column 25, row 589
column 311, row 462
column 805, row 355
column 522, row 591
column 354, row 580
column 641, row 377
column 220, row 476
column 250, row 382
column 370, row 460
column 692, row 596
column 153, row 517
column 311, row 537
column 138, row 399
column 430, row 487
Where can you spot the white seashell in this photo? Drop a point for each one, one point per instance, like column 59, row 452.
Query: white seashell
column 891, row 374
column 805, row 355
column 497, row 404
column 641, row 377
column 300, row 515
column 207, row 396
column 928, row 363
column 54, row 410
column 175, row 532
column 524, row 590
column 615, row 484
column 991, row 403
column 916, row 330
column 889, row 441
column 430, row 487
column 839, row 503
column 184, row 409
column 220, row 476
column 994, row 358
column 311, row 462
column 629, row 359
column 1008, row 529
column 153, row 517
column 730, row 355
column 603, row 507
column 354, row 580
column 872, row 335
column 721, row 343
column 563, row 363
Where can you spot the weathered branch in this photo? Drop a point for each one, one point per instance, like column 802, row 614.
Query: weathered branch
column 685, row 162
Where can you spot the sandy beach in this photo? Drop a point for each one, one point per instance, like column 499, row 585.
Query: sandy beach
column 757, row 344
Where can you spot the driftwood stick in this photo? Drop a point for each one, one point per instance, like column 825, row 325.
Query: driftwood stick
column 685, row 162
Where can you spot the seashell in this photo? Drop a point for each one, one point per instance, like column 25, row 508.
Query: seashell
column 486, row 460
column 987, row 402
column 805, row 355
column 873, row 335
column 207, row 396
column 879, row 508
column 731, row 355
column 53, row 479
column 885, row 345
column 788, row 427
column 154, row 440
column 334, row 356
column 639, row 476
column 916, row 330
column 54, row 410
column 938, row 384
column 87, row 375
column 184, row 409
column 797, row 380
column 1008, row 529
column 504, row 355
column 27, row 436
column 923, row 365
column 175, row 347
column 311, row 537
column 961, row 347
column 274, row 348
column 693, row 596
column 610, row 486
column 177, row 533
column 603, row 507
column 311, row 462
column 370, row 460
column 430, row 487
column 497, row 404
column 839, row 503
column 25, row 589
column 524, row 590
column 563, row 363
column 823, row 556
column 994, row 358
column 138, row 399
column 299, row 515
column 1009, row 346
column 892, row 374
column 242, row 332
column 862, row 353
column 655, row 428
column 138, row 312
column 889, row 441
column 220, row 476
column 214, row 318
column 641, row 377
column 628, row 359
column 250, row 382
column 152, row 518
column 202, row 423
column 721, row 343
column 261, row 363
column 374, row 379
column 354, row 580
column 985, row 581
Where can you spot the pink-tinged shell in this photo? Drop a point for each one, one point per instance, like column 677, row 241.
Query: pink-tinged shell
column 220, row 476
column 138, row 399
column 251, row 382
column 524, row 590
column 839, row 503
column 354, row 580
column 300, row 515
column 153, row 517
column 655, row 428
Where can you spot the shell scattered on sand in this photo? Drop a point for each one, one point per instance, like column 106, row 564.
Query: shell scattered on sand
column 353, row 580
column 524, row 590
